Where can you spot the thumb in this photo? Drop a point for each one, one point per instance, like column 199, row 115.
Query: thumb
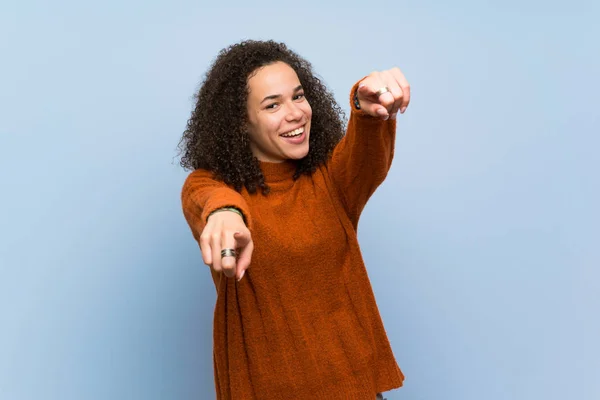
column 370, row 103
column 242, row 238
column 364, row 91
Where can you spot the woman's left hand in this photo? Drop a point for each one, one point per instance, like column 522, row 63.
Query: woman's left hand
column 383, row 93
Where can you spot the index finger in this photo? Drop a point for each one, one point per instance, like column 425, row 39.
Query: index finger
column 228, row 262
column 376, row 104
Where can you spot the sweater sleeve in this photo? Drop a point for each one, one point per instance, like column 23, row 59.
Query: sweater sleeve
column 362, row 159
column 202, row 194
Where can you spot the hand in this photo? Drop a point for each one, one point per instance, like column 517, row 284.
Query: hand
column 385, row 105
column 226, row 230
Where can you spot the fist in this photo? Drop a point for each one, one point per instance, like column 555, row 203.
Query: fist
column 383, row 93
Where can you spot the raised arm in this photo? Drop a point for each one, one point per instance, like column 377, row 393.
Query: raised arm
column 219, row 219
column 362, row 159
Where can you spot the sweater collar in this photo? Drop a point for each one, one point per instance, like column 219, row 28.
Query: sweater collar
column 277, row 172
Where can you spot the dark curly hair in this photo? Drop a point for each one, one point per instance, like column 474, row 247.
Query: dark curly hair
column 215, row 138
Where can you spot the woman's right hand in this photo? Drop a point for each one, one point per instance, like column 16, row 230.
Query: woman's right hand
column 227, row 230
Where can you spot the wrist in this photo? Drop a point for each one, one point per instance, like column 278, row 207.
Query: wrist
column 355, row 102
column 230, row 209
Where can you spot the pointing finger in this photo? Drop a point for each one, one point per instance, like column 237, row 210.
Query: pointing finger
column 228, row 261
column 387, row 100
column 373, row 104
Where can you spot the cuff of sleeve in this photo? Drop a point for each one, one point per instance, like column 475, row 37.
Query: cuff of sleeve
column 354, row 106
column 225, row 198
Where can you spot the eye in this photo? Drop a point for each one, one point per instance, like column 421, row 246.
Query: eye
column 271, row 106
column 299, row 96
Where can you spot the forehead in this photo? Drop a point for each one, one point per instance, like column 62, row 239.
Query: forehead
column 273, row 79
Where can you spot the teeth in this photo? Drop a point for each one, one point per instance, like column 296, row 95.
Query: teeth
column 295, row 132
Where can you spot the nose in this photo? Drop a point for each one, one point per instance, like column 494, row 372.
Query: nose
column 294, row 112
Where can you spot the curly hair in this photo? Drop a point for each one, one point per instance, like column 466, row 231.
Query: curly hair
column 215, row 138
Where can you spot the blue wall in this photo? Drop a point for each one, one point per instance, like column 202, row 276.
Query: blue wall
column 482, row 245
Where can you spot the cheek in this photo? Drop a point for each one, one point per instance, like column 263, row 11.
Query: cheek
column 262, row 128
column 273, row 124
column 308, row 111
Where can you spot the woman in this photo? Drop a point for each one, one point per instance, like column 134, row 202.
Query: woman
column 274, row 201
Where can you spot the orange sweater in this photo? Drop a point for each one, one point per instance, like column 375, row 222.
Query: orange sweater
column 303, row 322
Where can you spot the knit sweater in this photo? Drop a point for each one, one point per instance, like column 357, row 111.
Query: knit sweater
column 303, row 322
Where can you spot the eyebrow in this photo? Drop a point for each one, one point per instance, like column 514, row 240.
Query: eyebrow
column 276, row 96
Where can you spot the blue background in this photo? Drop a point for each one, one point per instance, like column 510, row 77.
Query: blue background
column 482, row 245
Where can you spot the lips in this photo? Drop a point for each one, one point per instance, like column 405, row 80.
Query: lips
column 295, row 137
column 293, row 133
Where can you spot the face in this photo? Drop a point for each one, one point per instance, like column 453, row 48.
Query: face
column 278, row 114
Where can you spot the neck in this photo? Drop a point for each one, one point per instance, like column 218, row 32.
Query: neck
column 278, row 171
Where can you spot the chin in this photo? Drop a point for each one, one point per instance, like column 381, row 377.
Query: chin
column 298, row 154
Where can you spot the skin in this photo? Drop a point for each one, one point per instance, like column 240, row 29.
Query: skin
column 286, row 109
column 276, row 105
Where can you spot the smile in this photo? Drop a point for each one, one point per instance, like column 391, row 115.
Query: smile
column 295, row 132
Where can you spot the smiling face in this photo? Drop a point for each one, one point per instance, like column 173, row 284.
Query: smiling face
column 278, row 114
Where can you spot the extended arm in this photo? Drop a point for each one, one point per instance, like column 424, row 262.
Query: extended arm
column 361, row 160
column 204, row 200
